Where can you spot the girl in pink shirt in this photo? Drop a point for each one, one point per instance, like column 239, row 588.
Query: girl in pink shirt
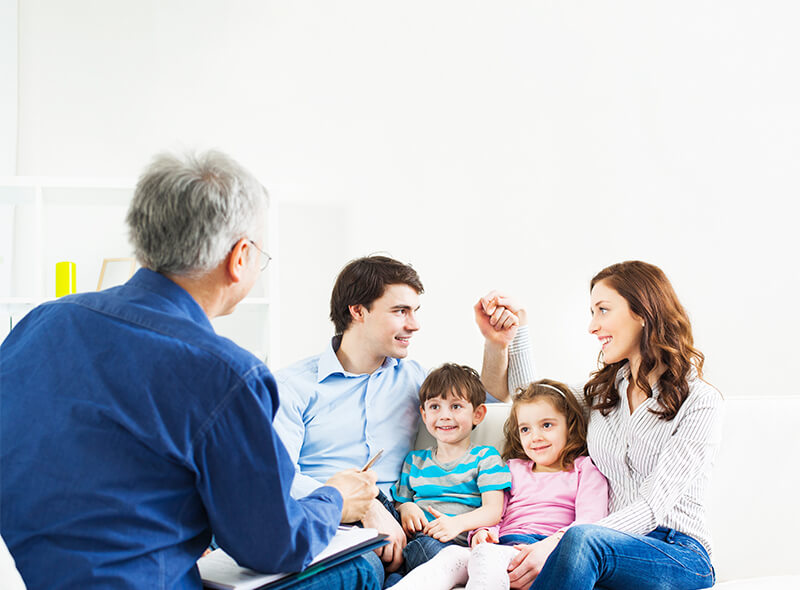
column 554, row 485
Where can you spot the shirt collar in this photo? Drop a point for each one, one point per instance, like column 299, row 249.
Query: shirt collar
column 179, row 298
column 624, row 374
column 329, row 363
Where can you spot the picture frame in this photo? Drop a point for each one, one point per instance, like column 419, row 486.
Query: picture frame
column 115, row 271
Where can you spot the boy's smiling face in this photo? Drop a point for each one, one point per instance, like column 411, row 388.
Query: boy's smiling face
column 450, row 418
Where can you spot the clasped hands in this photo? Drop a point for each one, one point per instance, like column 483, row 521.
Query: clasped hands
column 498, row 316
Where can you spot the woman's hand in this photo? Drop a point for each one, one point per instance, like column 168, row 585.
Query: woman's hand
column 527, row 564
column 483, row 536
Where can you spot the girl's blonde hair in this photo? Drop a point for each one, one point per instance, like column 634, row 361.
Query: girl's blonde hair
column 561, row 398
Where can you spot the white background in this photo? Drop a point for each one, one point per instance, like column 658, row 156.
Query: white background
column 516, row 145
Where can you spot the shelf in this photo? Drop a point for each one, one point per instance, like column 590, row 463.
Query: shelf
column 44, row 220
column 21, row 300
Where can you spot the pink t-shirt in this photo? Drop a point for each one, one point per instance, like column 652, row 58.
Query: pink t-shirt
column 542, row 503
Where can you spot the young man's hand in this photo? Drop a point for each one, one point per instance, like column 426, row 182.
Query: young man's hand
column 444, row 528
column 498, row 317
column 484, row 536
column 412, row 518
column 378, row 517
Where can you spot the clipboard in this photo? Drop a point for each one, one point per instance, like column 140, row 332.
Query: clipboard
column 219, row 571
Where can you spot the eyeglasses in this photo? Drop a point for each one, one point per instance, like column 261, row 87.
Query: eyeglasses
column 265, row 258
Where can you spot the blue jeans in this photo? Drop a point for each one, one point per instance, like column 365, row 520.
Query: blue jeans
column 521, row 539
column 590, row 556
column 355, row 574
column 420, row 549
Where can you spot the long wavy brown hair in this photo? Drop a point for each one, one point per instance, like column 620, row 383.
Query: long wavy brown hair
column 565, row 403
column 666, row 340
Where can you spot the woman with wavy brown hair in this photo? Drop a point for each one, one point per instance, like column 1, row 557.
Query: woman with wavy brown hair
column 654, row 428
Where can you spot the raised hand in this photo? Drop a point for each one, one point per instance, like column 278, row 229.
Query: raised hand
column 498, row 317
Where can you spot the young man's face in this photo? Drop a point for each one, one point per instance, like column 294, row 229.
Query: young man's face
column 386, row 328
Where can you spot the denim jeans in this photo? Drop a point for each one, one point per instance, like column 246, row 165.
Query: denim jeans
column 521, row 539
column 591, row 556
column 421, row 549
column 355, row 574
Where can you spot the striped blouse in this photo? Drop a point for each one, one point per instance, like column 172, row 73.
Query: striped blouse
column 658, row 471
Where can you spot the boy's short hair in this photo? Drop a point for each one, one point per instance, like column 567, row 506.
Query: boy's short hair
column 364, row 280
column 459, row 380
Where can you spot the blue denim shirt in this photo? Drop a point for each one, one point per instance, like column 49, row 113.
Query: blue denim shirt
column 130, row 430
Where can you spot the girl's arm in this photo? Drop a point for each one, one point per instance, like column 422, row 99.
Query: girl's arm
column 446, row 528
column 591, row 504
column 591, row 500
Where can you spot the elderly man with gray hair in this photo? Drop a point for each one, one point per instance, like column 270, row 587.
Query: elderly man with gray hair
column 129, row 429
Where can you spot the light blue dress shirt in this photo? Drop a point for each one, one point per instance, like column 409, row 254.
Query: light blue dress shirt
column 330, row 420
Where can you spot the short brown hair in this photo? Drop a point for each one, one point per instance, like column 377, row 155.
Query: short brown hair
column 460, row 380
column 364, row 280
column 565, row 403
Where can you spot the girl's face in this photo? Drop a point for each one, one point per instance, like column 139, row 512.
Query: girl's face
column 543, row 433
column 615, row 325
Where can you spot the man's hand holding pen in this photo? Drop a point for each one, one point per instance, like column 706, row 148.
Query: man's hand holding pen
column 358, row 490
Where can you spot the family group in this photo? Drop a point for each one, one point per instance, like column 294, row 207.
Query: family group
column 131, row 434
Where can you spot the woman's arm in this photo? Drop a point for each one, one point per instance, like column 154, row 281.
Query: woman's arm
column 591, row 499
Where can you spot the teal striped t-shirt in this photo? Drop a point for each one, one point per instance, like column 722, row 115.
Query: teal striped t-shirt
column 451, row 488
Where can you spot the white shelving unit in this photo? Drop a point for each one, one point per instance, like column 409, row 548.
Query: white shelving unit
column 44, row 220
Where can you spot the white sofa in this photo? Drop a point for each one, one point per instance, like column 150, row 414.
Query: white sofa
column 754, row 512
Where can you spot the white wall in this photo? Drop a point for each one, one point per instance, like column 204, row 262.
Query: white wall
column 519, row 145
column 8, row 89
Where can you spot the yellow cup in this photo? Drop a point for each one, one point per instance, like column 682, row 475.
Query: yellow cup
column 65, row 278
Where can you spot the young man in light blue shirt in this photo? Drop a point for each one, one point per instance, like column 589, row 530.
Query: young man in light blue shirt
column 360, row 395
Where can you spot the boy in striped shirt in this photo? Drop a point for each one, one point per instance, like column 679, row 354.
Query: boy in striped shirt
column 454, row 487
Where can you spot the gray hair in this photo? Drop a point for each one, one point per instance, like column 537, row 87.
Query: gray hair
column 187, row 213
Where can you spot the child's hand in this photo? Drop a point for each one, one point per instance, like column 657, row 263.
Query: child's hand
column 484, row 536
column 411, row 517
column 444, row 528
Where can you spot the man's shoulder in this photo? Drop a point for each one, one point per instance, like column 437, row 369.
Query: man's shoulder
column 412, row 368
column 298, row 371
